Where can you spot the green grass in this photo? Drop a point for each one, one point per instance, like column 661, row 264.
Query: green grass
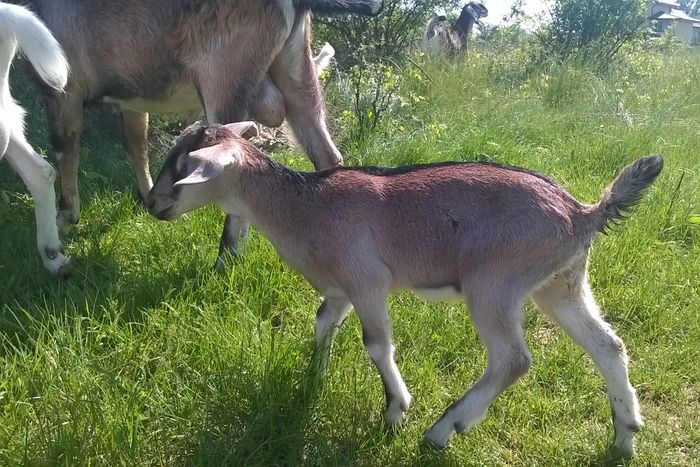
column 147, row 356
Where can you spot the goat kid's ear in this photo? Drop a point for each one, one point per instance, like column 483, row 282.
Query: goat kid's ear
column 241, row 128
column 208, row 163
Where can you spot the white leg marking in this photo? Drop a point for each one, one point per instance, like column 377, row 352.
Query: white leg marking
column 39, row 177
column 569, row 301
column 376, row 329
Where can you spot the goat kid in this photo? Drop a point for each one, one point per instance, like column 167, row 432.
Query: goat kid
column 237, row 59
column 20, row 29
column 493, row 236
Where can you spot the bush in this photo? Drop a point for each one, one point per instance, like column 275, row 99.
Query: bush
column 591, row 31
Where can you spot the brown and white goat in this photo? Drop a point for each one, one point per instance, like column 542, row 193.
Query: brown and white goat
column 237, row 59
column 442, row 38
column 20, row 29
column 493, row 236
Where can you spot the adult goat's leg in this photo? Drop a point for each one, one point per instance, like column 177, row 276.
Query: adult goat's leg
column 39, row 176
column 226, row 80
column 569, row 301
column 65, row 115
column 294, row 73
column 498, row 321
column 135, row 140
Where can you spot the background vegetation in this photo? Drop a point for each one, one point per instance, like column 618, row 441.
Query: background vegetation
column 147, row 356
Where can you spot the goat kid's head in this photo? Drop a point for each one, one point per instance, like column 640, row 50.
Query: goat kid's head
column 196, row 161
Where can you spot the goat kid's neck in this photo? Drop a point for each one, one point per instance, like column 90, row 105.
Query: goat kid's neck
column 269, row 195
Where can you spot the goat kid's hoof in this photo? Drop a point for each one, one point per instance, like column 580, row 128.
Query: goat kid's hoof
column 438, row 436
column 394, row 417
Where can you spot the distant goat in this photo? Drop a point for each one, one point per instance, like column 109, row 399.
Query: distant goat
column 442, row 38
column 237, row 59
column 491, row 235
column 20, row 29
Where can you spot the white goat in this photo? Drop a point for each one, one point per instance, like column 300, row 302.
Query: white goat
column 20, row 29
column 491, row 235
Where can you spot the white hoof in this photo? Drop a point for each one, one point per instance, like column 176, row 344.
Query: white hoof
column 394, row 416
column 59, row 266
column 624, row 444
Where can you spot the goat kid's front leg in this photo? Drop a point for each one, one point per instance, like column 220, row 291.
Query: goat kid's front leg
column 376, row 336
column 329, row 318
column 39, row 176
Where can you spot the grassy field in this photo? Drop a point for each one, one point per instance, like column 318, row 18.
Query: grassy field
column 146, row 356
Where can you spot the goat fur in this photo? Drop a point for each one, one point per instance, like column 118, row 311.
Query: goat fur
column 493, row 236
column 237, row 59
column 21, row 30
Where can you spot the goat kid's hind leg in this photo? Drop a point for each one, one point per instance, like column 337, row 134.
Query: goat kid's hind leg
column 569, row 301
column 376, row 336
column 134, row 132
column 294, row 73
column 65, row 112
column 39, row 176
column 499, row 326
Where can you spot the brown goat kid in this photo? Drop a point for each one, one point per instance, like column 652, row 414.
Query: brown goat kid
column 442, row 38
column 238, row 59
column 493, row 236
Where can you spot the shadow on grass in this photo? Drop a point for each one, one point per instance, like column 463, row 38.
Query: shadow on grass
column 97, row 278
column 98, row 281
column 610, row 457
column 277, row 421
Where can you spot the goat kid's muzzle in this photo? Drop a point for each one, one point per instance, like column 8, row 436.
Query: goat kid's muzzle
column 162, row 210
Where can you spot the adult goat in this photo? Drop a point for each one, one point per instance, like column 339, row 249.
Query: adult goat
column 237, row 59
column 442, row 38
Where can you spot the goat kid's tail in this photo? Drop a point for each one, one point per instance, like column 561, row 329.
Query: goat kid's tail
column 331, row 7
column 626, row 190
column 35, row 41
